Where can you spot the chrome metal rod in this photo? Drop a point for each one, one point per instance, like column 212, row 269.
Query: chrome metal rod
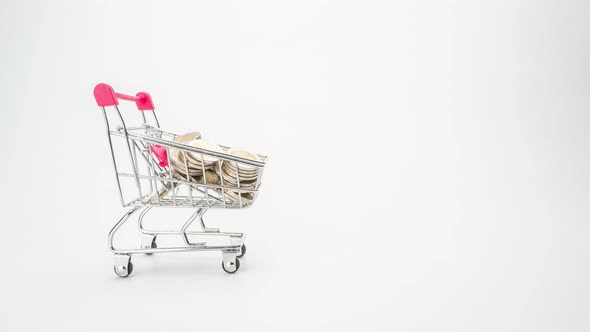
column 187, row 224
column 116, row 228
column 203, row 227
column 190, row 148
column 106, row 120
column 229, row 248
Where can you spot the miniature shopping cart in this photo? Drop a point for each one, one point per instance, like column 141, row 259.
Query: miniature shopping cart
column 147, row 177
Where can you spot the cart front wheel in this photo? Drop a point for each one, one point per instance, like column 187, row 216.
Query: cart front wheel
column 242, row 251
column 124, row 271
column 231, row 266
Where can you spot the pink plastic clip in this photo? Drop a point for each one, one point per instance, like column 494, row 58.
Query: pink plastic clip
column 160, row 153
column 106, row 96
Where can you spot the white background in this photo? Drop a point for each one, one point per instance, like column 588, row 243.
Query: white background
column 428, row 163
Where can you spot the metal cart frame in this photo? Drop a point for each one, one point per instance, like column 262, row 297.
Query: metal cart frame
column 147, row 150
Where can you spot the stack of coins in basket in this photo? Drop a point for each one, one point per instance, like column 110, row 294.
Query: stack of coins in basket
column 206, row 169
column 234, row 174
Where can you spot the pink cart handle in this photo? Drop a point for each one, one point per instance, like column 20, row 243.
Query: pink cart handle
column 106, row 96
column 160, row 153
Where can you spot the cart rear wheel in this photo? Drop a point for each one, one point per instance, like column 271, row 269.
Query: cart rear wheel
column 231, row 267
column 123, row 271
column 152, row 246
column 242, row 251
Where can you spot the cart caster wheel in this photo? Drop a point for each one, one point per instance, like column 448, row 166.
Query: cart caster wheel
column 231, row 267
column 242, row 251
column 152, row 246
column 124, row 271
